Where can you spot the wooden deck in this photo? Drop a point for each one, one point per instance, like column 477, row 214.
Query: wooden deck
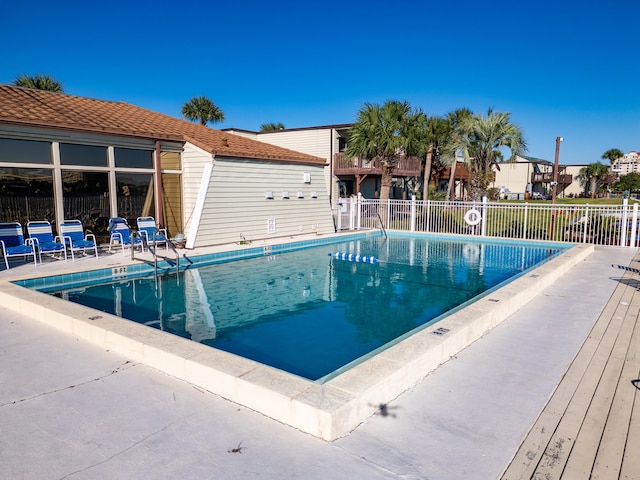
column 590, row 428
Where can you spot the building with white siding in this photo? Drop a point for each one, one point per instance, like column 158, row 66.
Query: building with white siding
column 323, row 142
column 65, row 157
column 343, row 175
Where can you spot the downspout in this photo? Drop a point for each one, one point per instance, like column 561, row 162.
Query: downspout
column 159, row 200
column 331, row 168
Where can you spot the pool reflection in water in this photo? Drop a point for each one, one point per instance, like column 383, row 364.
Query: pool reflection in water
column 309, row 313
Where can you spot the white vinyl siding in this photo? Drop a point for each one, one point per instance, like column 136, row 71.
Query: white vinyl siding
column 321, row 142
column 193, row 161
column 236, row 209
column 312, row 142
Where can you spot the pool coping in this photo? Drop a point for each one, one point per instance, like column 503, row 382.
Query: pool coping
column 329, row 410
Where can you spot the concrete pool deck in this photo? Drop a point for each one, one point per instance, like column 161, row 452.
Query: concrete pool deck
column 327, row 410
column 73, row 410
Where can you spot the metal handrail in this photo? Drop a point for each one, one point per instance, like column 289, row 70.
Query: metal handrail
column 144, row 241
column 152, row 248
column 133, row 235
column 381, row 222
column 169, row 245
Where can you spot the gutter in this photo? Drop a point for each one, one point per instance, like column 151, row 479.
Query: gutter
column 331, row 167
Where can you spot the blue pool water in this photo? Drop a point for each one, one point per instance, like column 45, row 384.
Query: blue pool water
column 310, row 313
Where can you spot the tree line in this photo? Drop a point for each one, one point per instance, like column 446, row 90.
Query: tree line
column 198, row 109
column 394, row 129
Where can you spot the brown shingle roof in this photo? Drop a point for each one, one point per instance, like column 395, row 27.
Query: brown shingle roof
column 23, row 106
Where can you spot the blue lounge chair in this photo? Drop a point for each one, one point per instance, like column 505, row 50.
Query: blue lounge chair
column 151, row 233
column 75, row 239
column 121, row 235
column 14, row 244
column 44, row 241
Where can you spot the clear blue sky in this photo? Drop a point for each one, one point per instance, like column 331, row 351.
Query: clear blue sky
column 562, row 68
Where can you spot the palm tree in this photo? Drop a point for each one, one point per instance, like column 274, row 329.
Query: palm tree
column 480, row 139
column 453, row 121
column 386, row 133
column 39, row 82
column 270, row 127
column 591, row 175
column 437, row 129
column 612, row 155
column 203, row 110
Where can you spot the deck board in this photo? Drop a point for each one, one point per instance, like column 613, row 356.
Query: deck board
column 614, row 439
column 631, row 461
column 602, row 411
column 631, row 458
column 590, row 426
column 562, row 442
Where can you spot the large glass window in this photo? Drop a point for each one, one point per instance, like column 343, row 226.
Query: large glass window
column 89, row 155
column 172, row 203
column 86, row 198
column 135, row 195
column 129, row 158
column 24, row 151
column 26, row 194
column 170, row 161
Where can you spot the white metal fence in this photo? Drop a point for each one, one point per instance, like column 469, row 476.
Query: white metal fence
column 601, row 225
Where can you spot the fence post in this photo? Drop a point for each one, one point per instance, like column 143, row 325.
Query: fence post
column 483, row 229
column 352, row 208
column 585, row 228
column 359, row 207
column 634, row 226
column 524, row 221
column 339, row 215
column 427, row 226
column 413, row 213
column 623, row 223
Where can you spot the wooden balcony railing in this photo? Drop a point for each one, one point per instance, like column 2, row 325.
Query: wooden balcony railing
column 406, row 166
column 563, row 179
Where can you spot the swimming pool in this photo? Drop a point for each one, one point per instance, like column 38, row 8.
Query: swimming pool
column 309, row 312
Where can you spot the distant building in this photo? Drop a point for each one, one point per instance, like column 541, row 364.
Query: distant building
column 533, row 178
column 630, row 163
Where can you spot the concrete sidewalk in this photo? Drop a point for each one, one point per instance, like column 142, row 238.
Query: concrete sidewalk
column 71, row 410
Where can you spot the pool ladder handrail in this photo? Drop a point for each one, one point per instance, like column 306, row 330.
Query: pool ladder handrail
column 170, row 245
column 152, row 249
column 380, row 220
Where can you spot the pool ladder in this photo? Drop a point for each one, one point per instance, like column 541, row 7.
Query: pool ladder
column 381, row 222
column 152, row 249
